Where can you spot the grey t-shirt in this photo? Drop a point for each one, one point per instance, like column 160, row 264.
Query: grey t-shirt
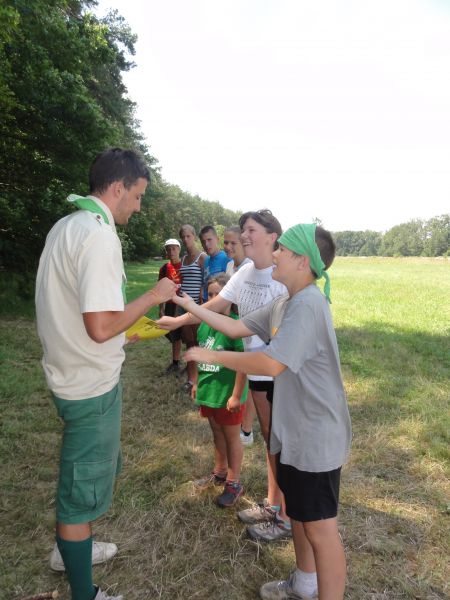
column 310, row 419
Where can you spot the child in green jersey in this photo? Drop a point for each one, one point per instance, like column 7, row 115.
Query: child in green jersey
column 220, row 394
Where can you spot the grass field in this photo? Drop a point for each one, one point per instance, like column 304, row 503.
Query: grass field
column 392, row 320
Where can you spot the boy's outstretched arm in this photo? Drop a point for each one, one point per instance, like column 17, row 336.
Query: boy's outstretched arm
column 217, row 304
column 231, row 327
column 171, row 323
column 256, row 363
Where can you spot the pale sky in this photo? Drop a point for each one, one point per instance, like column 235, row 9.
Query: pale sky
column 338, row 110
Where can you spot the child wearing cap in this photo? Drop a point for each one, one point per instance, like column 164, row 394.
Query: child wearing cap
column 311, row 429
column 171, row 270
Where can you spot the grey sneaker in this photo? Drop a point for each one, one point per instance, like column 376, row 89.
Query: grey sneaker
column 270, row 531
column 209, row 480
column 104, row 596
column 282, row 590
column 101, row 552
column 258, row 513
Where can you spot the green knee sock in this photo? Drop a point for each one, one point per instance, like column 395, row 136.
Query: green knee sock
column 77, row 557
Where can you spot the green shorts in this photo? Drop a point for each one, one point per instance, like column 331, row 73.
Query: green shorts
column 90, row 456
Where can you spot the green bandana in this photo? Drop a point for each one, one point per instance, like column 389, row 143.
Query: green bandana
column 301, row 239
column 90, row 205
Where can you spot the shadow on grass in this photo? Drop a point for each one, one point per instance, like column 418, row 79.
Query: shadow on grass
column 175, row 542
column 398, row 376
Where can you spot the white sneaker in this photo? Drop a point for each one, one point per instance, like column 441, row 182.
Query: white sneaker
column 101, row 552
column 247, row 440
column 103, row 596
column 283, row 590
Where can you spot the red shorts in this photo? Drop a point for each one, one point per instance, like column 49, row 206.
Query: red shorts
column 222, row 416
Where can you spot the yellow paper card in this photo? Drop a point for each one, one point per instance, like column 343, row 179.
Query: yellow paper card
column 146, row 329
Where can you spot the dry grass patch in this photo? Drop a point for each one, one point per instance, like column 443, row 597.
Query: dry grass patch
column 174, row 542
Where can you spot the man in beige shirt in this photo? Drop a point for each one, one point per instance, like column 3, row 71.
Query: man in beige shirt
column 82, row 315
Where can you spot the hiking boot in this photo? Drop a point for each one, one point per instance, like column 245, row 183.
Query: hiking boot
column 270, row 531
column 246, row 440
column 282, row 590
column 209, row 480
column 258, row 513
column 231, row 492
column 104, row 596
column 101, row 552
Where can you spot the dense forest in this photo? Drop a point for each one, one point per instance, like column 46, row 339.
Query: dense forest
column 63, row 100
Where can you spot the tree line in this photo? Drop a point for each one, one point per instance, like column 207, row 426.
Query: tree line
column 63, row 100
column 414, row 238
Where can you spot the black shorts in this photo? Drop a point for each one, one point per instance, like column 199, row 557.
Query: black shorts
column 170, row 311
column 309, row 496
column 262, row 386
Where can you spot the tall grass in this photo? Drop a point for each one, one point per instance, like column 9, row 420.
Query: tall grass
column 392, row 322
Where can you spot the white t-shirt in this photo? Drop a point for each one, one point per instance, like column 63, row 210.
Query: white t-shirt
column 250, row 288
column 80, row 270
column 231, row 269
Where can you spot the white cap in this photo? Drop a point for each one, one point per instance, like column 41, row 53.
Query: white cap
column 172, row 242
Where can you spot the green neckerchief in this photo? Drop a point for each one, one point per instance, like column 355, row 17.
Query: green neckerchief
column 88, row 204
column 83, row 203
column 301, row 239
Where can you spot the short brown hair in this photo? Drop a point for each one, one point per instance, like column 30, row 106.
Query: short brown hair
column 116, row 164
column 326, row 245
column 205, row 229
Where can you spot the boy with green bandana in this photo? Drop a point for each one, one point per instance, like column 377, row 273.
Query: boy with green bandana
column 81, row 316
column 311, row 429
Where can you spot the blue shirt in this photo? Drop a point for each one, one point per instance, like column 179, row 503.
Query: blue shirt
column 213, row 264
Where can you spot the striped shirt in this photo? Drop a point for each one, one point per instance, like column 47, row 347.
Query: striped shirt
column 192, row 278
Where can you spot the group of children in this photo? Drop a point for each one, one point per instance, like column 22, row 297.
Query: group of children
column 292, row 364
column 192, row 273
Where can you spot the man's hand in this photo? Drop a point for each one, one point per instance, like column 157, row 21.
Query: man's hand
column 164, row 290
column 194, row 391
column 233, row 404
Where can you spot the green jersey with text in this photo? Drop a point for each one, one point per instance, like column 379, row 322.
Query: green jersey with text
column 215, row 382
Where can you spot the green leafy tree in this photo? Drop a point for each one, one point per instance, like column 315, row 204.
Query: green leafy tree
column 62, row 102
column 437, row 236
column 406, row 239
column 357, row 243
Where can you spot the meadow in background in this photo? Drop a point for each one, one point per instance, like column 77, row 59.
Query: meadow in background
column 392, row 319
